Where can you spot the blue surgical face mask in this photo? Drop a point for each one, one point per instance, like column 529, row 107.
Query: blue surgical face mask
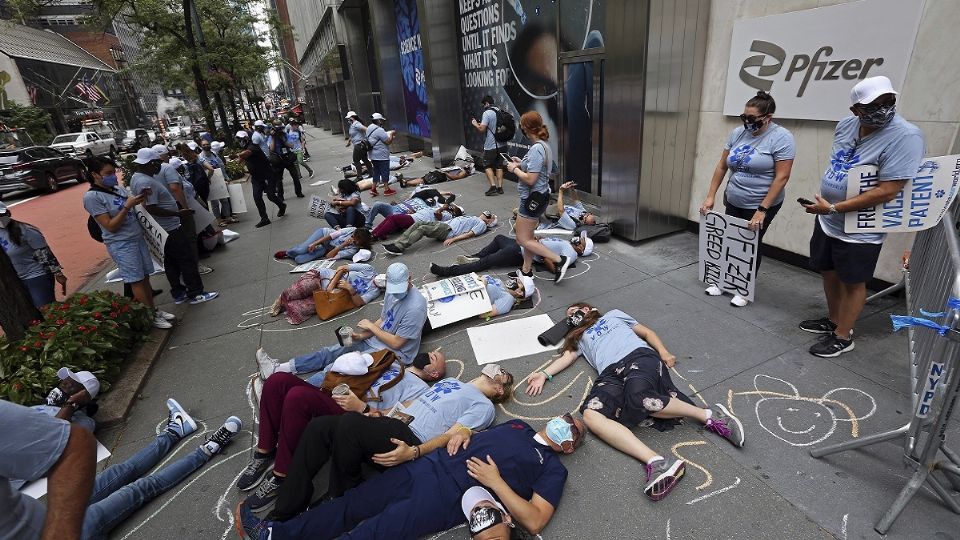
column 558, row 430
column 109, row 180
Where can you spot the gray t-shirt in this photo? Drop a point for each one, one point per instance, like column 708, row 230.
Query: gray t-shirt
column 610, row 339
column 31, row 446
column 460, row 225
column 572, row 216
column 377, row 136
column 500, row 297
column 356, row 132
column 262, row 141
column 535, row 161
column 168, row 175
column 21, row 256
column 410, row 387
column 448, row 402
column 897, row 151
column 752, row 161
column 360, row 277
column 559, row 246
column 404, row 318
column 98, row 202
column 341, row 236
column 489, row 119
column 160, row 196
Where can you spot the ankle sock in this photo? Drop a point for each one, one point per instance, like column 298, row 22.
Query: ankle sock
column 284, row 367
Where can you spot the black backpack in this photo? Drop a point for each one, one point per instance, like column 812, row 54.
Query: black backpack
column 599, row 233
column 506, row 126
column 93, row 228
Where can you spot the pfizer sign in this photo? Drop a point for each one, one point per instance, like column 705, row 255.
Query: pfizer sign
column 809, row 60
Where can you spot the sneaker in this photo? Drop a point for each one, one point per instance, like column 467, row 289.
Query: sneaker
column 519, row 272
column 222, row 436
column 203, row 270
column 283, row 210
column 389, row 191
column 374, row 192
column 267, row 365
column 265, row 494
column 726, row 425
column 499, row 191
column 262, row 223
column 310, row 171
column 738, row 301
column 490, row 192
column 466, row 259
column 713, row 290
column 203, row 297
column 392, row 249
column 179, row 422
column 255, row 471
column 818, row 326
column 301, row 195
column 249, row 525
column 161, row 323
column 280, row 254
column 662, row 477
column 179, row 298
column 437, row 270
column 166, row 316
column 401, row 181
column 561, row 268
column 832, row 346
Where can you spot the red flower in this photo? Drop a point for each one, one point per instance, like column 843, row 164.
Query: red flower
column 37, row 344
column 17, row 386
column 35, row 321
column 61, row 322
column 23, row 348
column 96, row 315
column 93, row 328
column 82, row 328
column 113, row 314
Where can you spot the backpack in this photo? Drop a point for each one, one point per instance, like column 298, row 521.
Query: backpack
column 365, row 143
column 94, row 229
column 506, row 126
column 360, row 384
column 599, row 233
column 434, row 177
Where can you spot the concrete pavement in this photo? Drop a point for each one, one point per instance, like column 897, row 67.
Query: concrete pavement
column 753, row 359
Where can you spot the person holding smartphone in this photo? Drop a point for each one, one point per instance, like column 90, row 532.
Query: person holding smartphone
column 492, row 151
column 759, row 156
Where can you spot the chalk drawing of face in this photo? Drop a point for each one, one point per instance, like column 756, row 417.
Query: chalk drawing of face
column 805, row 421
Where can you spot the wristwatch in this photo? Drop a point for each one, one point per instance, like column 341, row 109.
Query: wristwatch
column 833, row 209
column 763, row 209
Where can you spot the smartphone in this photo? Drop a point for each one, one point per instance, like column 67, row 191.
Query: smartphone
column 803, row 201
column 506, row 158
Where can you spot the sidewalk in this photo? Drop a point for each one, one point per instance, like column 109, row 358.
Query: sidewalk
column 753, row 359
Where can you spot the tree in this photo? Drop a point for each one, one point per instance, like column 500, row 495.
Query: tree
column 16, row 306
column 33, row 119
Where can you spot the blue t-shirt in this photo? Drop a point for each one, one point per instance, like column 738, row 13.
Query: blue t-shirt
column 404, row 318
column 410, row 387
column 426, row 215
column 610, row 339
column 21, row 256
column 210, row 159
column 500, row 297
column 572, row 216
column 527, row 466
column 559, row 246
column 377, row 136
column 897, row 150
column 489, row 119
column 160, row 196
column 293, row 139
column 448, row 402
column 462, row 224
column 535, row 161
column 752, row 160
column 98, row 202
column 168, row 175
column 262, row 141
column 360, row 277
column 356, row 132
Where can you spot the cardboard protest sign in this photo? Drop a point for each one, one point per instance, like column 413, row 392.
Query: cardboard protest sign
column 919, row 205
column 313, row 265
column 453, row 286
column 317, row 206
column 153, row 233
column 455, row 299
column 238, row 204
column 728, row 254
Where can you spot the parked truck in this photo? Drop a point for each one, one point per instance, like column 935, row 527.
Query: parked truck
column 84, row 144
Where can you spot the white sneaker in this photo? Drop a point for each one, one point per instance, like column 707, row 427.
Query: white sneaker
column 266, row 364
column 738, row 301
column 160, row 322
column 713, row 290
column 166, row 316
column 203, row 270
column 466, row 259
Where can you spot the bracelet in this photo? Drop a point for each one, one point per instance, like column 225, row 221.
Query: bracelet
column 416, row 452
column 549, row 376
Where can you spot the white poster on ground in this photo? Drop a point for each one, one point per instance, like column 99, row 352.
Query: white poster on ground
column 153, row 233
column 444, row 310
column 509, row 339
column 313, row 265
column 920, row 205
column 452, row 286
column 728, row 254
column 38, row 488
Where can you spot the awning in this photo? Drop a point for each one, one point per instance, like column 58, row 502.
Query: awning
column 20, row 41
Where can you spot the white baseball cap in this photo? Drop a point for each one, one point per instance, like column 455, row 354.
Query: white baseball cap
column 380, row 281
column 474, row 496
column 87, row 379
column 146, row 155
column 160, row 149
column 528, row 286
column 870, row 89
column 587, row 243
column 192, row 145
column 176, row 162
column 258, row 123
column 350, row 114
column 242, row 134
column 377, row 116
column 362, row 255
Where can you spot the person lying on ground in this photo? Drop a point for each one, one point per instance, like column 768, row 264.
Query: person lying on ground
column 416, row 203
column 288, row 403
column 386, row 438
column 73, row 399
column 344, row 209
column 449, row 232
column 504, row 296
column 570, row 216
column 440, row 491
column 329, row 244
column 504, row 252
column 396, row 162
column 437, row 176
column 633, row 385
column 399, row 329
column 400, row 222
column 36, row 445
column 359, row 279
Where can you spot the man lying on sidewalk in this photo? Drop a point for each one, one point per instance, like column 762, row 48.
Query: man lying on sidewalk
column 388, row 437
column 570, row 216
column 440, row 491
column 438, row 176
column 504, row 252
column 400, row 222
column 450, row 232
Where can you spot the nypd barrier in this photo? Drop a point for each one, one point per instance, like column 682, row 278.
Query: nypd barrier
column 932, row 283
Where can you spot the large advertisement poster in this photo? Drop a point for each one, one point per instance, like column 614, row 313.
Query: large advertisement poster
column 411, row 66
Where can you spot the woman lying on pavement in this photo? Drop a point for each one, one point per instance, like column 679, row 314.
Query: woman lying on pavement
column 359, row 279
column 329, row 244
column 505, row 296
column 634, row 385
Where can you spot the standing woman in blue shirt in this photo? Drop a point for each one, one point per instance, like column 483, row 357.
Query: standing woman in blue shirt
column 35, row 264
column 533, row 172
column 380, row 139
column 759, row 156
column 356, row 133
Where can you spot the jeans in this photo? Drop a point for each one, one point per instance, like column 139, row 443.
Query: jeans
column 348, row 218
column 318, row 360
column 502, row 252
column 119, row 490
column 41, row 289
column 745, row 213
column 180, row 261
column 360, row 159
column 300, row 253
column 221, row 208
column 436, row 230
column 263, row 186
column 381, row 172
column 384, row 209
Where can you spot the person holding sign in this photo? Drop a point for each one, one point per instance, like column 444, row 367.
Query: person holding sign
column 874, row 135
column 633, row 386
column 759, row 157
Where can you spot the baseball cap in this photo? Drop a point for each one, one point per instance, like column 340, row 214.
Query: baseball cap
column 350, row 114
column 380, row 280
column 528, row 286
column 258, row 123
column 397, row 278
column 192, row 145
column 377, row 116
column 160, row 149
column 587, row 243
column 146, row 155
column 362, row 255
column 242, row 134
column 474, row 496
column 87, row 379
column 176, row 162
column 870, row 89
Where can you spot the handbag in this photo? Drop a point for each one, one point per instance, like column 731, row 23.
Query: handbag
column 329, row 304
column 360, row 384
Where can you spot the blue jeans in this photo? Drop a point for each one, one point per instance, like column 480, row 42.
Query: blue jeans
column 41, row 289
column 381, row 172
column 347, row 219
column 384, row 209
column 318, row 360
column 119, row 490
column 299, row 252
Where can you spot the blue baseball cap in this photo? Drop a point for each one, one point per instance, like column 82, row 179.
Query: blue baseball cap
column 398, row 277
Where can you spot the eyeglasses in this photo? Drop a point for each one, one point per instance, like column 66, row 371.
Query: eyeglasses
column 868, row 108
column 574, row 430
column 483, row 518
column 751, row 119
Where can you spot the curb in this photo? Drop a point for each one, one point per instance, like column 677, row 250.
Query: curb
column 116, row 404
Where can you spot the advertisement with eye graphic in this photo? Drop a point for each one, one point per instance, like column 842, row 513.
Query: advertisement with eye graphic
column 411, row 66
column 508, row 49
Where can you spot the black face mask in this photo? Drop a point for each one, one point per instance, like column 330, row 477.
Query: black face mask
column 576, row 319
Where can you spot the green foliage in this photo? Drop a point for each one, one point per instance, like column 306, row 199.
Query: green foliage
column 94, row 332
column 34, row 119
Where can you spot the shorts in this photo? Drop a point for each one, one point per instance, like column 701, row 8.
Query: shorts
column 633, row 388
column 853, row 262
column 542, row 200
column 132, row 258
column 492, row 159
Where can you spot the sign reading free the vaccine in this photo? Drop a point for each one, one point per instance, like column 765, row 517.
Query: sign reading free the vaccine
column 919, row 205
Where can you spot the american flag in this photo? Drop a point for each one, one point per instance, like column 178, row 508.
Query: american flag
column 87, row 90
column 32, row 92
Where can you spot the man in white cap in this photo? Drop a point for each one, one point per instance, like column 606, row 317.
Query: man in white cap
column 448, row 232
column 169, row 175
column 875, row 135
column 72, row 398
column 259, row 137
column 518, row 468
column 379, row 140
column 356, row 134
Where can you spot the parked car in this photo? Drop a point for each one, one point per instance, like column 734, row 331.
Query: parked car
column 37, row 167
column 134, row 139
column 84, row 144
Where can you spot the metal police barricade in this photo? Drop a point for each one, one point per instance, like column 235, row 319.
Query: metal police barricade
column 932, row 283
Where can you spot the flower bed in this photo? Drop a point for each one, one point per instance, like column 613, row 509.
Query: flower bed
column 94, row 332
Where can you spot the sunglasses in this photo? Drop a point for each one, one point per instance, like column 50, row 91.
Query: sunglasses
column 874, row 107
column 483, row 518
column 574, row 430
column 751, row 119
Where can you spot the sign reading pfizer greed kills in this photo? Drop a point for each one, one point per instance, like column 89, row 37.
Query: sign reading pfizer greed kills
column 728, row 254
column 920, row 205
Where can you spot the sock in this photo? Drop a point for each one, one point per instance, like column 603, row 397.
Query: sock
column 284, row 367
column 709, row 413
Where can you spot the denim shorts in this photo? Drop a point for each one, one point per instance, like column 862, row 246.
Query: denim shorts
column 132, row 258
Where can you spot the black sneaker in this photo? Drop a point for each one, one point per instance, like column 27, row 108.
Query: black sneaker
column 255, row 471
column 262, row 223
column 401, row 181
column 491, row 191
column 392, row 249
column 283, row 210
column 499, row 191
column 831, row 346
column 438, row 270
column 519, row 272
column 265, row 494
column 818, row 326
column 561, row 268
